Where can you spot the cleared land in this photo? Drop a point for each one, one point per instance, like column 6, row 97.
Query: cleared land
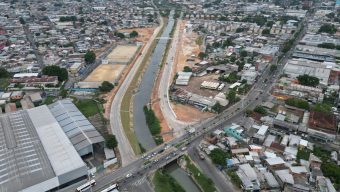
column 106, row 72
column 144, row 34
column 122, row 54
column 187, row 46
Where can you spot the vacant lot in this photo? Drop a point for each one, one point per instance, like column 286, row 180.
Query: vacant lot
column 195, row 84
column 106, row 72
column 144, row 34
column 122, row 54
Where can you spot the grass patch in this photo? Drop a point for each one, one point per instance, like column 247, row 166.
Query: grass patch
column 49, row 100
column 126, row 101
column 87, row 106
column 303, row 154
column 199, row 40
column 205, row 183
column 165, row 183
column 154, row 126
column 3, row 83
column 179, row 144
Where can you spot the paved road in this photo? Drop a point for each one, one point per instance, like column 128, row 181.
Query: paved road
column 137, row 168
column 207, row 167
column 163, row 91
column 125, row 149
column 32, row 42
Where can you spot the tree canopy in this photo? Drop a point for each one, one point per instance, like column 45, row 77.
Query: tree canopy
column 187, row 69
column 89, row 57
column 327, row 28
column 111, row 142
column 323, row 108
column 299, row 103
column 202, row 55
column 265, row 32
column 273, row 68
column 219, row 157
column 106, row 86
column 217, row 107
column 134, row 34
column 308, row 80
column 3, row 73
column 54, row 70
column 261, row 110
column 231, row 96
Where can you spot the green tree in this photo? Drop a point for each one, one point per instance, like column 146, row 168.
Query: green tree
column 323, row 108
column 265, row 32
column 299, row 103
column 187, row 69
column 133, row 34
column 308, row 80
column 243, row 53
column 106, row 86
column 327, row 45
column 273, row 68
column 219, row 157
column 111, row 142
column 227, row 43
column 327, row 28
column 4, row 73
column 22, row 21
column 217, row 107
column 270, row 23
column 202, row 55
column 261, row 110
column 89, row 57
column 231, row 96
column 54, row 70
column 120, row 35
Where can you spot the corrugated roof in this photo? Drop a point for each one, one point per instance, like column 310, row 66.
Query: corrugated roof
column 76, row 126
column 24, row 161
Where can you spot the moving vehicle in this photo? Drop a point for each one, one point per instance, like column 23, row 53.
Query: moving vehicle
column 111, row 188
column 201, row 155
column 128, row 175
column 86, row 185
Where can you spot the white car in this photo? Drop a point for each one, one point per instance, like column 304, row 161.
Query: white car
column 128, row 175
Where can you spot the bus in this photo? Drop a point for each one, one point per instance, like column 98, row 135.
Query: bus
column 112, row 188
column 86, row 186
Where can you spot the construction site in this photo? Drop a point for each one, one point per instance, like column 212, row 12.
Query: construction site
column 188, row 48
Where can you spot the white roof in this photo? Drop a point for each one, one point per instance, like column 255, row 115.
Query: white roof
column 263, row 130
column 275, row 161
column 303, row 142
column 20, row 75
column 269, row 154
column 298, row 169
column 60, row 151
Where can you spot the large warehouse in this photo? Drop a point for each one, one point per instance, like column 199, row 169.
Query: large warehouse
column 37, row 153
column 82, row 134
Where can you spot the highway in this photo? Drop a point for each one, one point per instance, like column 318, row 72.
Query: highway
column 125, row 149
column 163, row 91
column 163, row 154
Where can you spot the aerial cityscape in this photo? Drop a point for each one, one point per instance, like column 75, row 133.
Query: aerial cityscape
column 170, row 95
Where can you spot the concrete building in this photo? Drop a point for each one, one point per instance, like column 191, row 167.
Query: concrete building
column 36, row 154
column 297, row 67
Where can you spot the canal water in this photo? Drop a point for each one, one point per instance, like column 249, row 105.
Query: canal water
column 143, row 95
column 182, row 178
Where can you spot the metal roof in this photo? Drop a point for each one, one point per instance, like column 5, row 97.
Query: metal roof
column 23, row 160
column 75, row 125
